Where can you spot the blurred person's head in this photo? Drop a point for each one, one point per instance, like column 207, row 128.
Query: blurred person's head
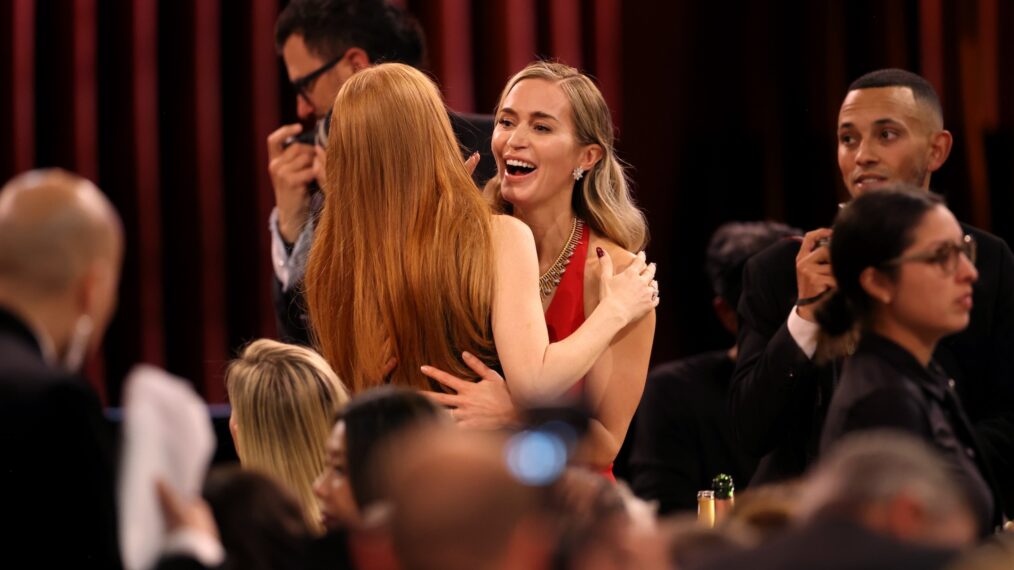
column 261, row 524
column 601, row 525
column 283, row 398
column 592, row 518
column 456, row 505
column 768, row 509
column 890, row 131
column 349, row 482
column 324, row 42
column 729, row 248
column 904, row 269
column 61, row 247
column 690, row 544
column 402, row 259
column 553, row 124
column 892, row 484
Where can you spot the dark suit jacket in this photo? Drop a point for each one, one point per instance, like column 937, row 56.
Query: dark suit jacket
column 683, row 434
column 56, row 468
column 474, row 133
column 779, row 397
column 833, row 544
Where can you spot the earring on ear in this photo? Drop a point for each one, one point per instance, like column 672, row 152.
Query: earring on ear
column 578, row 173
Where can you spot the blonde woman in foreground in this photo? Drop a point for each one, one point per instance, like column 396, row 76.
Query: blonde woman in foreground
column 410, row 266
column 284, row 398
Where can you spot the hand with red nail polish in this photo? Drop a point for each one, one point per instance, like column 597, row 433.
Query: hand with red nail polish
column 632, row 293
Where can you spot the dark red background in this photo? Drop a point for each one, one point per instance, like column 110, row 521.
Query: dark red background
column 726, row 111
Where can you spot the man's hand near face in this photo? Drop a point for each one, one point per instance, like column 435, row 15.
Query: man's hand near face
column 291, row 170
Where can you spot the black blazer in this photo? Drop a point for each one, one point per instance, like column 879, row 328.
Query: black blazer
column 682, row 435
column 882, row 386
column 474, row 133
column 56, row 468
column 779, row 398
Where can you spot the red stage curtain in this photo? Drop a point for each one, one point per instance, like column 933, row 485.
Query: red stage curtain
column 725, row 112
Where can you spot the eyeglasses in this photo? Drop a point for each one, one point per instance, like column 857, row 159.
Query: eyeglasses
column 304, row 84
column 946, row 256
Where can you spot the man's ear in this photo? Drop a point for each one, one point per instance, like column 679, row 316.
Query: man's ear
column 95, row 285
column 940, row 148
column 358, row 59
column 87, row 288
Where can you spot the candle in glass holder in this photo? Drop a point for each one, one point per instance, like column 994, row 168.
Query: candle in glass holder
column 706, row 508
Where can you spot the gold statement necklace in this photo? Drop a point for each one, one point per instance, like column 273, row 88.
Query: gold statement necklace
column 551, row 278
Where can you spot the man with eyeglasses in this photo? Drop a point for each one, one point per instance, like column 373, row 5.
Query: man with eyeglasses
column 324, row 42
column 890, row 130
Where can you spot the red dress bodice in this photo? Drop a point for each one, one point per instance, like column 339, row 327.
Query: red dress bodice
column 565, row 313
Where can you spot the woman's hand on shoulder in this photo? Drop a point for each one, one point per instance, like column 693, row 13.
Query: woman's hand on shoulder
column 631, row 292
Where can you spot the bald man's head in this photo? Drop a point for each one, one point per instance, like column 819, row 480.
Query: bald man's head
column 61, row 245
column 53, row 226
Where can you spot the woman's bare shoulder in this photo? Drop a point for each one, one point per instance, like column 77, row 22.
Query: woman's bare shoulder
column 510, row 231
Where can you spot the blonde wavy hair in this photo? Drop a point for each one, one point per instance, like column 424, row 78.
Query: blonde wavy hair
column 284, row 398
column 402, row 261
column 602, row 198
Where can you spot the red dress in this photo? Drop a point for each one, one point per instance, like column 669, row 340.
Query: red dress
column 566, row 312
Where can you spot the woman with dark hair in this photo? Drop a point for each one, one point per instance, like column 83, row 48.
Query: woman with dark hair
column 904, row 271
column 349, row 483
column 258, row 522
column 261, row 524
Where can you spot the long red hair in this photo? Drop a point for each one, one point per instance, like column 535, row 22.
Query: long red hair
column 402, row 260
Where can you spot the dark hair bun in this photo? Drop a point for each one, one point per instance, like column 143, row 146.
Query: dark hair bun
column 836, row 316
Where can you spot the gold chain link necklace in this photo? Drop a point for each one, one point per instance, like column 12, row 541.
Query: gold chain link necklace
column 551, row 278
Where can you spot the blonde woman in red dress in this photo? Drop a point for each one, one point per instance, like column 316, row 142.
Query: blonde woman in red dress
column 557, row 172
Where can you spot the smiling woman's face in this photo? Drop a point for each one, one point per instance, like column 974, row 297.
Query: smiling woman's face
column 534, row 143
